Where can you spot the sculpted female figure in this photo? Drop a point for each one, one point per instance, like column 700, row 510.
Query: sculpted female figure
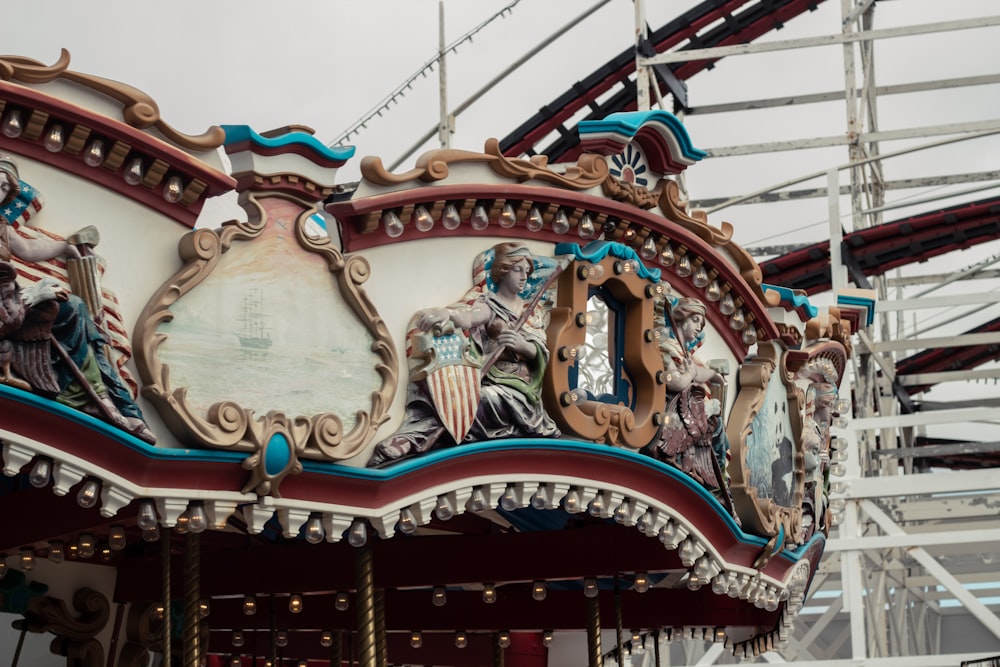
column 693, row 436
column 512, row 354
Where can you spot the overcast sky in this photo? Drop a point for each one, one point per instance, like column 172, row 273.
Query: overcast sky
column 324, row 63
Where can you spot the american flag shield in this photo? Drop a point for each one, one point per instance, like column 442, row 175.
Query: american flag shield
column 453, row 384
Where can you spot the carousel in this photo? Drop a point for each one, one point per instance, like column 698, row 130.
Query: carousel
column 484, row 411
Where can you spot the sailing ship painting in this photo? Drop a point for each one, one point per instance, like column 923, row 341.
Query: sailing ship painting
column 253, row 333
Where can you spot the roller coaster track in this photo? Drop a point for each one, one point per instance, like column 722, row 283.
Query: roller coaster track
column 711, row 23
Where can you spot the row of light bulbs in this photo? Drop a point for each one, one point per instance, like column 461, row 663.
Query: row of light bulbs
column 649, row 250
column 93, row 155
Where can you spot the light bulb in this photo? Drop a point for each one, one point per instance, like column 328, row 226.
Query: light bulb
column 133, row 171
column 341, row 602
column 667, row 255
column 40, row 472
column 183, row 524
column 641, row 584
column 358, row 535
column 159, row 612
column 416, row 639
column 422, row 219
column 648, row 249
column 450, row 219
column 445, row 509
column 86, row 545
column 534, row 220
column 726, row 305
column 560, row 222
column 477, row 502
column 295, row 603
column 750, row 336
column 204, row 609
column 590, row 587
column 57, row 553
column 596, row 507
column 547, row 638
column 508, row 501
column 54, row 139
column 281, row 639
column 151, row 534
column 683, row 266
column 94, row 155
column 407, row 522
column 89, row 493
column 489, row 593
column 508, row 216
column 586, row 227
column 3, row 565
column 571, row 503
column 479, row 220
column 105, row 552
column 27, row 559
column 147, row 515
column 116, row 538
column 538, row 498
column 538, row 591
column 738, row 320
column 326, row 639
column 700, row 277
column 314, row 532
column 438, row 597
column 173, row 190
column 461, row 639
column 393, row 225
column 197, row 519
column 713, row 292
column 249, row 605
column 503, row 639
column 12, row 126
column 237, row 638
column 622, row 512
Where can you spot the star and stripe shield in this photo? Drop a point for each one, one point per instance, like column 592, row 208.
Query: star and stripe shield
column 452, row 379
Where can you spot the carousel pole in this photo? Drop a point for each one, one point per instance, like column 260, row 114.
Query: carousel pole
column 165, row 568
column 337, row 649
column 192, row 601
column 594, row 631
column 656, row 647
column 618, row 624
column 381, row 647
column 497, row 651
column 364, row 569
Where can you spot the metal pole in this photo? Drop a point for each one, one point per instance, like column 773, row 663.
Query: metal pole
column 167, row 629
column 382, row 647
column 497, row 651
column 192, row 601
column 618, row 624
column 594, row 631
column 641, row 71
column 444, row 127
column 366, row 606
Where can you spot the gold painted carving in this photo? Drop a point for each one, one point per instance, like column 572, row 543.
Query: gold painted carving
column 229, row 425
column 594, row 420
column 140, row 110
column 590, row 170
column 762, row 515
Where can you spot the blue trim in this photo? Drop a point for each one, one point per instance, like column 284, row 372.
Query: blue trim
column 63, row 412
column 790, row 296
column 863, row 302
column 628, row 123
column 238, row 133
column 598, row 250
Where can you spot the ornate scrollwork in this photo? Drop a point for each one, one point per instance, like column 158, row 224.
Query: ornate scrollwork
column 589, row 171
column 75, row 633
column 140, row 110
column 276, row 441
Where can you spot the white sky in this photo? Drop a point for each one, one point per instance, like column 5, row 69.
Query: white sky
column 324, row 63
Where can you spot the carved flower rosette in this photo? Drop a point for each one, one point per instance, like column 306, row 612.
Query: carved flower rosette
column 265, row 342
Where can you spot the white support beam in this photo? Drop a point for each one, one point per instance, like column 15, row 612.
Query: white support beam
column 957, row 481
column 717, row 52
column 934, row 568
column 963, row 340
column 907, row 540
column 937, row 301
column 918, row 379
column 963, row 415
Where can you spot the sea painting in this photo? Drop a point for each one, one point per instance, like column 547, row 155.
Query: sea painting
column 769, row 447
column 270, row 330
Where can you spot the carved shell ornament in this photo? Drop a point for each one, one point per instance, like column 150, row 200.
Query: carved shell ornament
column 290, row 333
